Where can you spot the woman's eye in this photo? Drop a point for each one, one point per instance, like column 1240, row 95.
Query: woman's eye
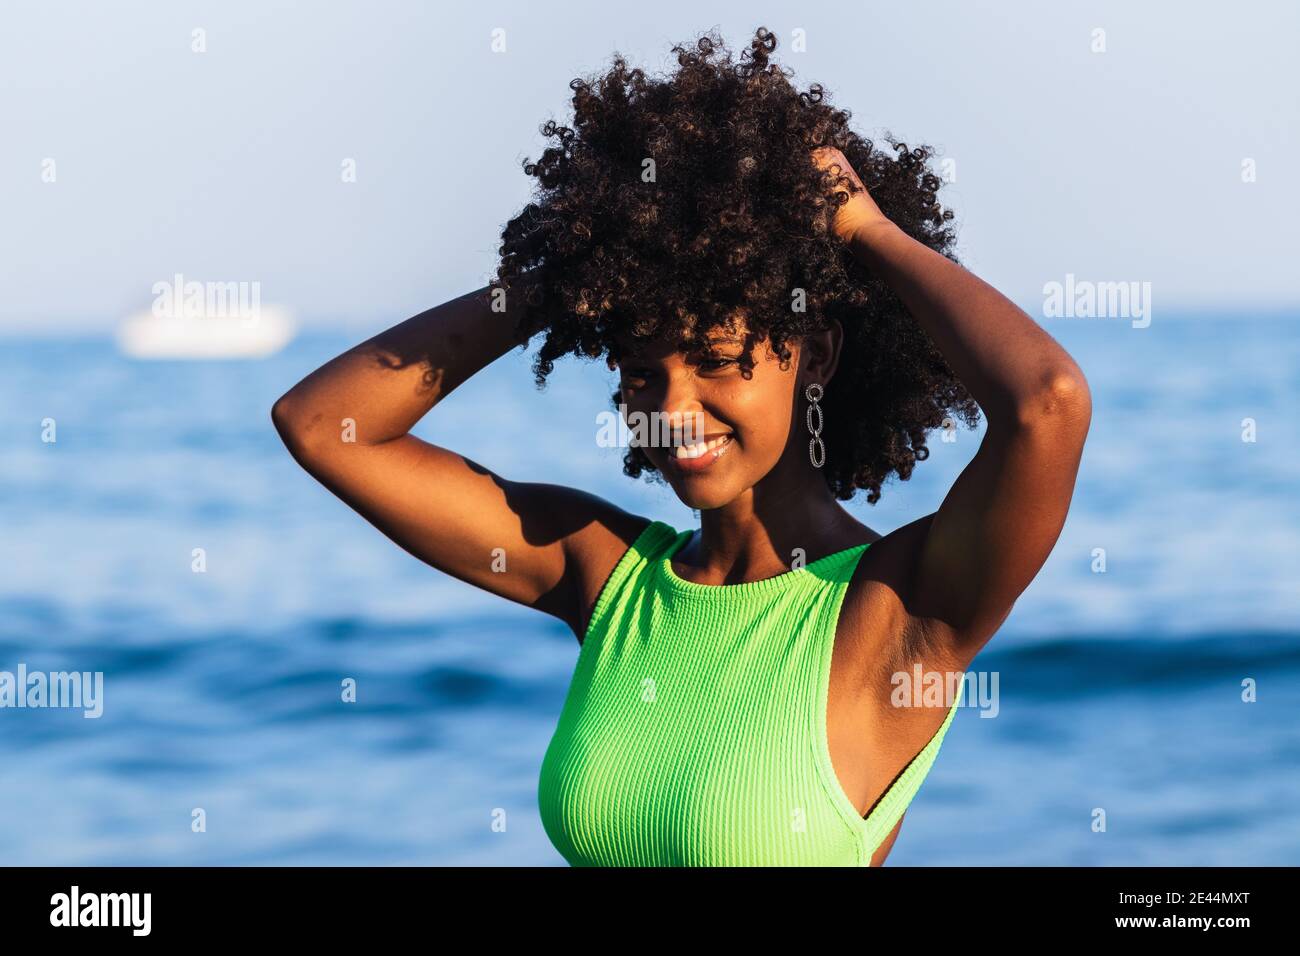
column 714, row 364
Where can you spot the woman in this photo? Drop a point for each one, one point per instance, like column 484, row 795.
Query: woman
column 751, row 266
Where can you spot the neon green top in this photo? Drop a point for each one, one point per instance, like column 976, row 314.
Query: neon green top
column 694, row 729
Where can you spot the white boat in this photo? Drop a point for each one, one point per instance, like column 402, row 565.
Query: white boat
column 148, row 335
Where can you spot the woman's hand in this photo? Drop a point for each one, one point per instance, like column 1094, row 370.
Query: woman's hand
column 861, row 210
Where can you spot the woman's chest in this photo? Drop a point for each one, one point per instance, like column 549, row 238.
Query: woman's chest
column 707, row 759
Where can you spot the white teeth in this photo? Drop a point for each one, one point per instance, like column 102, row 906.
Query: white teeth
column 695, row 451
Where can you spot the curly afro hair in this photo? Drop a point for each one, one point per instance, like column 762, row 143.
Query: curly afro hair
column 674, row 203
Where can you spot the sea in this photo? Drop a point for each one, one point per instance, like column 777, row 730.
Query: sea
column 155, row 531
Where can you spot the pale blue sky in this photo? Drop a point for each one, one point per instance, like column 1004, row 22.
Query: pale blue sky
column 225, row 165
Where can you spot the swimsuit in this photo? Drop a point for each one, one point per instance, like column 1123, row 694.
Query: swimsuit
column 694, row 728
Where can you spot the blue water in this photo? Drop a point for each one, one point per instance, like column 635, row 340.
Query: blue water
column 1119, row 690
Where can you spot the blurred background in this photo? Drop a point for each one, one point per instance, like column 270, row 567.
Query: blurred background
column 355, row 165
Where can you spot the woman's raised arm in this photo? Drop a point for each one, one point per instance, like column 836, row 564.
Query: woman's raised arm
column 348, row 424
column 1003, row 514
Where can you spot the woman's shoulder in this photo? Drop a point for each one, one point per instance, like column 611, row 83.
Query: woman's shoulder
column 877, row 618
column 602, row 545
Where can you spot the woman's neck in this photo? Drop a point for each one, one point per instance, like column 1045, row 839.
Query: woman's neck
column 760, row 534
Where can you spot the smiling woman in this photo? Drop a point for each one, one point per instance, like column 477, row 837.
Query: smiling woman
column 790, row 291
column 698, row 215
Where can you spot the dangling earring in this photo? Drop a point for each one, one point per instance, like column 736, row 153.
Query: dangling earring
column 815, row 447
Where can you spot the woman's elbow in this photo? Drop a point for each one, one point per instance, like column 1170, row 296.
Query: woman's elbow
column 292, row 423
column 1063, row 401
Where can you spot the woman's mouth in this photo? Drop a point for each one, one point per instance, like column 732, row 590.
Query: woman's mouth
column 699, row 456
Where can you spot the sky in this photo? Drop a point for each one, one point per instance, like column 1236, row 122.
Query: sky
column 129, row 156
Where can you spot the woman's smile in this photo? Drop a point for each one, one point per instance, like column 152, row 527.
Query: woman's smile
column 691, row 459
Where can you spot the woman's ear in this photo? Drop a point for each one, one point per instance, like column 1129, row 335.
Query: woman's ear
column 821, row 353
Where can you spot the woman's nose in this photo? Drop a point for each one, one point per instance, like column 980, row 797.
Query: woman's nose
column 682, row 416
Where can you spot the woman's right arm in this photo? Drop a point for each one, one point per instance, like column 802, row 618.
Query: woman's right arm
column 348, row 424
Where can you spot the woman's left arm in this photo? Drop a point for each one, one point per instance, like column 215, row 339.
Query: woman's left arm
column 1004, row 513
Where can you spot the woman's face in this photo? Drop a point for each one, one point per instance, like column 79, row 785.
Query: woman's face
column 740, row 426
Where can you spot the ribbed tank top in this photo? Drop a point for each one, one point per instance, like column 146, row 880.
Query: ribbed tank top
column 694, row 728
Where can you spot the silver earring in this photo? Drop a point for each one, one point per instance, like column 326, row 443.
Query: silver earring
column 814, row 395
